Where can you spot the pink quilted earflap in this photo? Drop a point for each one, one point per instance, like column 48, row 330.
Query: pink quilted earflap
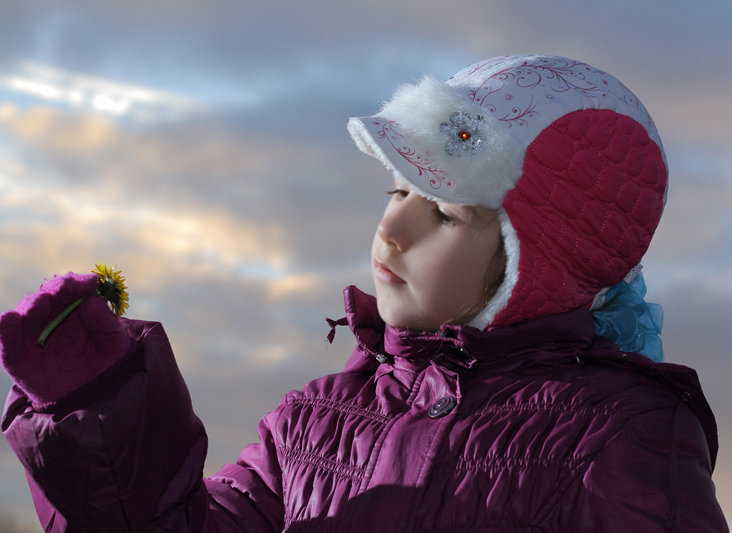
column 584, row 211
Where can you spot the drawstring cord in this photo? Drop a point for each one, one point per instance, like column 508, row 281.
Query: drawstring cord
column 333, row 325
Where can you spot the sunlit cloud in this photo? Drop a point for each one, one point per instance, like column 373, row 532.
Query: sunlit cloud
column 190, row 244
column 62, row 221
column 287, row 285
column 47, row 128
column 104, row 96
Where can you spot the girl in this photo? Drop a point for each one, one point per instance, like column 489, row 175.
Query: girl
column 479, row 396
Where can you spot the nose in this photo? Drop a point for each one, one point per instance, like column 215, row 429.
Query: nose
column 399, row 223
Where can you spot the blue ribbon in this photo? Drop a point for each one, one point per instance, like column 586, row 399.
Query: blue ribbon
column 629, row 321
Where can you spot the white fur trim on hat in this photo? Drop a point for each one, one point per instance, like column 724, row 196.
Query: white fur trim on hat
column 503, row 294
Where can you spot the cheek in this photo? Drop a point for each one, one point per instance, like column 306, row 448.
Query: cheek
column 461, row 280
column 461, row 273
column 452, row 274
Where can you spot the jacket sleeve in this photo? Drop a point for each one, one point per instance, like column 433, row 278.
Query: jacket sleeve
column 248, row 495
column 126, row 452
column 654, row 475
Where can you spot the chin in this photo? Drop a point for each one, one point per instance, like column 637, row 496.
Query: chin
column 399, row 320
column 392, row 317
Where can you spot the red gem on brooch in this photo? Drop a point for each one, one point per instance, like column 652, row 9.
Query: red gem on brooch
column 464, row 133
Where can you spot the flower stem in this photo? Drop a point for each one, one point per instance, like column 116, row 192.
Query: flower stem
column 56, row 321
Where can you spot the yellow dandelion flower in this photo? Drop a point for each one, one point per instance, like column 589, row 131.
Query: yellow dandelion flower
column 112, row 287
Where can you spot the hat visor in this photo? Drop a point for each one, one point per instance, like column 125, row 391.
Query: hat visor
column 413, row 168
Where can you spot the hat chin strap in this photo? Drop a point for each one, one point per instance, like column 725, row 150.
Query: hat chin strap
column 500, row 299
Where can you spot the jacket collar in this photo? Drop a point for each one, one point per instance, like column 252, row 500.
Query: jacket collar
column 565, row 334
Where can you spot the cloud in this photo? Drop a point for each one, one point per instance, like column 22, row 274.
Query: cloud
column 694, row 239
column 170, row 243
column 50, row 130
column 283, row 189
column 279, row 65
column 77, row 90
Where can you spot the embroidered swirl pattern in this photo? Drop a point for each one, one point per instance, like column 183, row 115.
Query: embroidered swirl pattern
column 423, row 163
column 553, row 75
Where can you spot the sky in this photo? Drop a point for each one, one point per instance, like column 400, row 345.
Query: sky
column 201, row 148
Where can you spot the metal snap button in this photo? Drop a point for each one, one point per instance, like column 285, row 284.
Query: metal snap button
column 441, row 407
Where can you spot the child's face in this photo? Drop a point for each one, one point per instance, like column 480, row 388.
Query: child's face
column 434, row 263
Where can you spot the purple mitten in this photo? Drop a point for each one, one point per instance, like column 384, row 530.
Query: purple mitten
column 82, row 346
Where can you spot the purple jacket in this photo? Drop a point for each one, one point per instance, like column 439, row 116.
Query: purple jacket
column 541, row 426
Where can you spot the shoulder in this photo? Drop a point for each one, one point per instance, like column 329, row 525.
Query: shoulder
column 633, row 385
column 625, row 384
column 639, row 409
column 663, row 454
column 580, row 405
column 617, row 387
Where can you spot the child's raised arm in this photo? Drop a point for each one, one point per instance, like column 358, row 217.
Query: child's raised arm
column 102, row 421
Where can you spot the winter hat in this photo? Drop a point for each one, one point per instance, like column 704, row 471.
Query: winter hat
column 567, row 155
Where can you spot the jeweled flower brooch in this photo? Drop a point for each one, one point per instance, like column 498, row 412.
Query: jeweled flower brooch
column 464, row 133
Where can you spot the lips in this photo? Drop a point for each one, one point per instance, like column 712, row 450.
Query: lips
column 385, row 275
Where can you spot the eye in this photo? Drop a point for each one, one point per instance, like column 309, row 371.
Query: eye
column 399, row 193
column 446, row 219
